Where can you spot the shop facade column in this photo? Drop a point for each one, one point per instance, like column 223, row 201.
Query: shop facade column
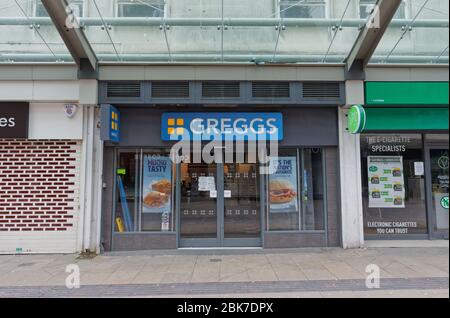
column 91, row 179
column 352, row 225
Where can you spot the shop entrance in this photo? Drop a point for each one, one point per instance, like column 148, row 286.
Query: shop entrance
column 438, row 183
column 220, row 205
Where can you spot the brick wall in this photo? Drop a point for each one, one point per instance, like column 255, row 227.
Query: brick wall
column 39, row 185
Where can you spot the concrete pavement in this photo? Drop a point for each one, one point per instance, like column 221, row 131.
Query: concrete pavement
column 405, row 272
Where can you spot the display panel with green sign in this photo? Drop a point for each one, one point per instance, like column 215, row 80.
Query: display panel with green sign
column 393, row 182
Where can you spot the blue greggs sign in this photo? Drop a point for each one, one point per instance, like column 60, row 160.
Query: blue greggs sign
column 222, row 126
column 110, row 123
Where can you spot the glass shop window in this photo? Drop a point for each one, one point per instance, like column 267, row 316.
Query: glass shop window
column 303, row 9
column 134, row 9
column 393, row 182
column 295, row 191
column 366, row 7
column 157, row 192
column 313, row 190
column 127, row 176
column 145, row 187
column 76, row 5
column 439, row 187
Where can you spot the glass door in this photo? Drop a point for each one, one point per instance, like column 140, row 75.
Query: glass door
column 219, row 205
column 242, row 211
column 438, row 183
column 199, row 205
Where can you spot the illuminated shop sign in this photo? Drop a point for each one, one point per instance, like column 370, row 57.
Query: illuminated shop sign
column 110, row 123
column 222, row 126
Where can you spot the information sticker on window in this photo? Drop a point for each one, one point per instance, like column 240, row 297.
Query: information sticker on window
column 419, row 169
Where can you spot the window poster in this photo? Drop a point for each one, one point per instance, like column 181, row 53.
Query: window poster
column 386, row 182
column 206, row 184
column 283, row 185
column 157, row 185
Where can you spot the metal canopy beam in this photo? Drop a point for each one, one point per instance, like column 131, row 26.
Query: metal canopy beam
column 74, row 38
column 231, row 22
column 229, row 58
column 371, row 35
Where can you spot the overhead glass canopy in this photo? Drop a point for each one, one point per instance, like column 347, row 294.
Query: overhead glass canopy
column 224, row 31
column 27, row 34
column 422, row 38
column 221, row 30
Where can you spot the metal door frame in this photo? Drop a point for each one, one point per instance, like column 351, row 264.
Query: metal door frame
column 220, row 241
column 431, row 217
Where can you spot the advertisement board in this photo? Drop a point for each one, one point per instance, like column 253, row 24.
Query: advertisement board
column 283, row 185
column 157, row 185
column 386, row 182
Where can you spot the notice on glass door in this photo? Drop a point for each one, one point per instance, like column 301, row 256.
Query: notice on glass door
column 386, row 182
column 419, row 168
column 206, row 184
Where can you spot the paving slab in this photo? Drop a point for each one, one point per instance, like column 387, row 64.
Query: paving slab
column 329, row 272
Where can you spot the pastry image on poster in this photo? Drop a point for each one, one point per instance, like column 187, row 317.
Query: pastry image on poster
column 283, row 189
column 386, row 182
column 157, row 185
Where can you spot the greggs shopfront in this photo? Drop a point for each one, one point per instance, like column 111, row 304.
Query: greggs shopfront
column 219, row 177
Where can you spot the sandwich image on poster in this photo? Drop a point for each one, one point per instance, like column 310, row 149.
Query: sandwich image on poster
column 283, row 189
column 386, row 182
column 157, row 185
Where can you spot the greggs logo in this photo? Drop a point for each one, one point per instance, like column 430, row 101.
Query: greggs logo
column 114, row 121
column 175, row 126
column 222, row 126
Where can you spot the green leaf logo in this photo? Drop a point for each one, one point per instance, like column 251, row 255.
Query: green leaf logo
column 444, row 202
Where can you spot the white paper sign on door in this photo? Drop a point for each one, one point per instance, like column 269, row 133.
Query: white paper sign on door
column 227, row 194
column 419, row 169
column 206, row 184
column 386, row 182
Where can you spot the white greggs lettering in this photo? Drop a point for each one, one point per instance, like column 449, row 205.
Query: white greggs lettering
column 7, row 122
column 240, row 126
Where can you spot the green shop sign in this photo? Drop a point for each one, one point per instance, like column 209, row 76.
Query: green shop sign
column 444, row 202
column 407, row 93
column 356, row 119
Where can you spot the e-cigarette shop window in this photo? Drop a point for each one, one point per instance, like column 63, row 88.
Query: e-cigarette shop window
column 393, row 181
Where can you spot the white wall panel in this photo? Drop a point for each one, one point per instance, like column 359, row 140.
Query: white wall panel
column 49, row 121
column 49, row 91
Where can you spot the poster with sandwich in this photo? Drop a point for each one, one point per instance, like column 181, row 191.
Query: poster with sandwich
column 157, row 185
column 386, row 182
column 283, row 186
